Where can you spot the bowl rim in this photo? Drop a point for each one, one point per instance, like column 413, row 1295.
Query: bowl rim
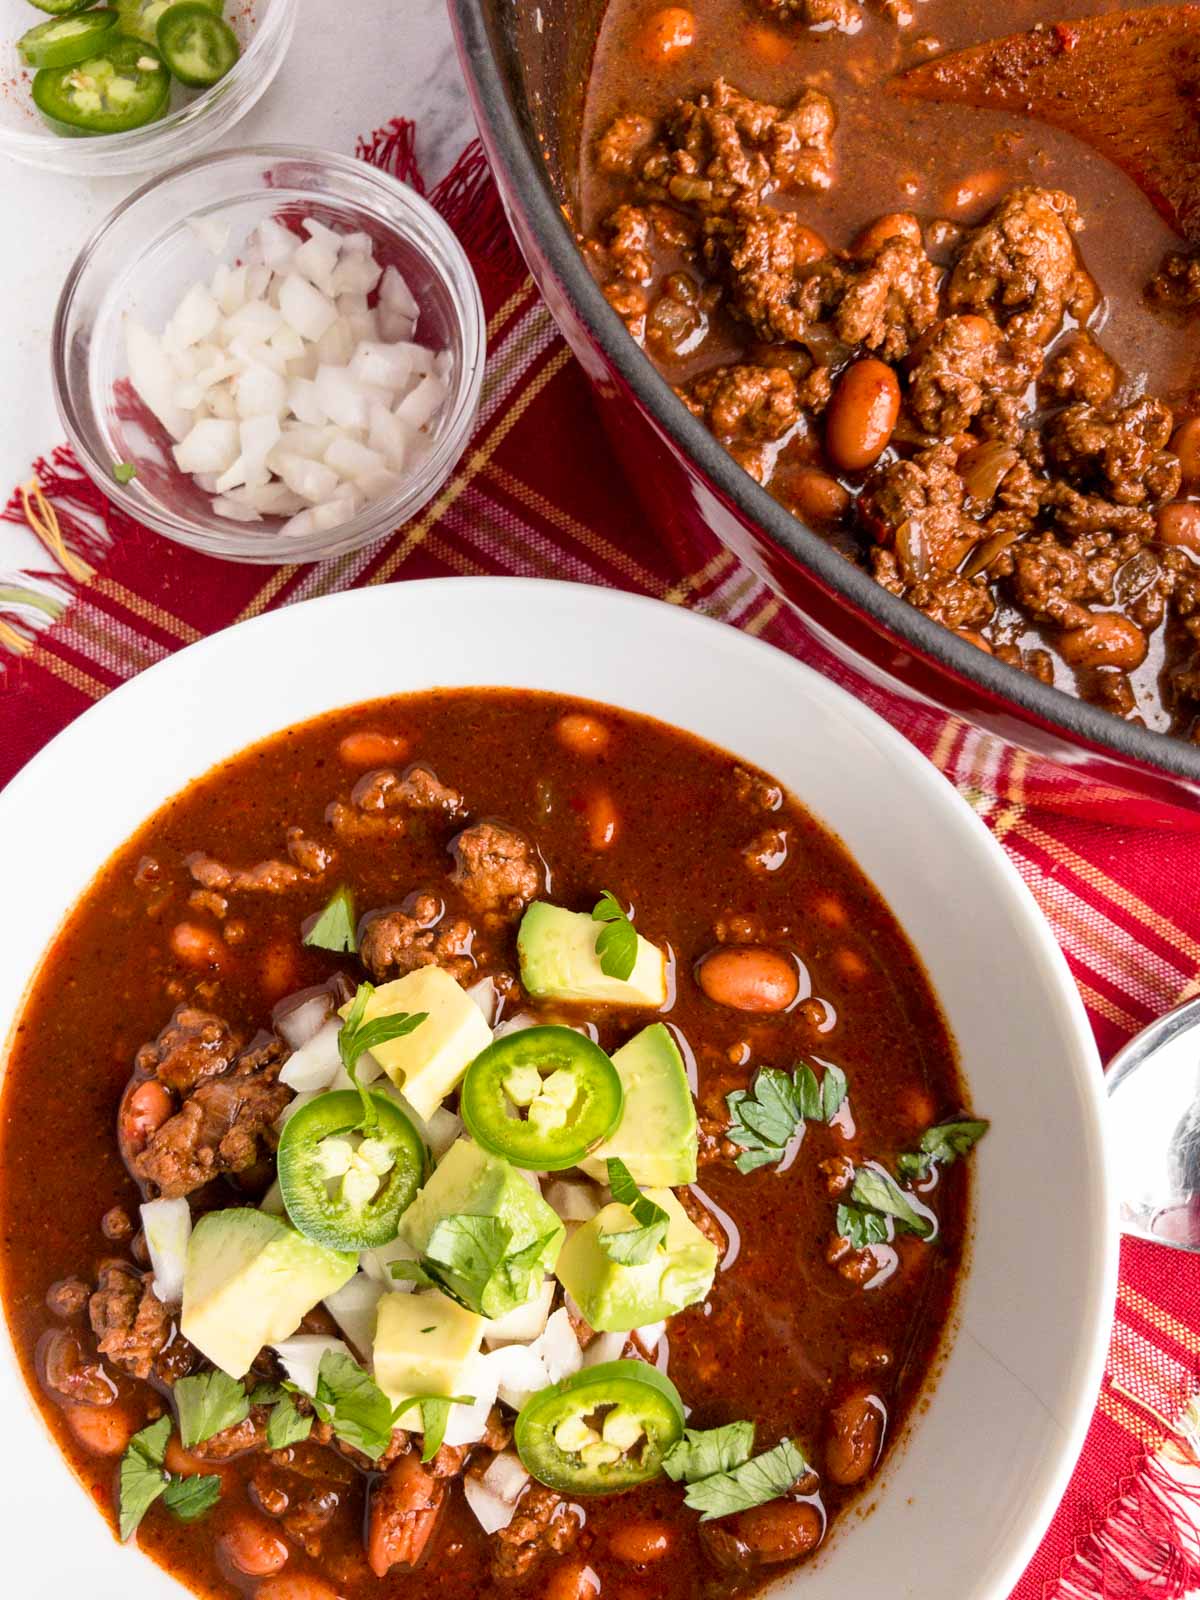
column 527, row 179
column 273, row 32
column 377, row 519
column 627, row 615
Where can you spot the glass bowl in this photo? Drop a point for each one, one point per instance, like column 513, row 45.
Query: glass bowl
column 155, row 245
column 265, row 29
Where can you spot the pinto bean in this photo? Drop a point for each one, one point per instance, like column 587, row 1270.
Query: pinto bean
column 768, row 44
column 974, row 192
column 1108, row 640
column 748, row 977
column 807, row 246
column 253, row 1546
column 145, row 1110
column 813, row 495
column 781, row 1530
column 854, row 1436
column 105, row 1430
column 278, row 969
column 571, row 1580
column 862, row 414
column 603, row 821
column 1186, row 444
column 196, row 945
column 582, row 735
column 295, row 1586
column 849, row 964
column 182, row 1462
column 1179, row 523
column 368, row 747
column 666, row 35
column 895, row 225
column 639, row 1543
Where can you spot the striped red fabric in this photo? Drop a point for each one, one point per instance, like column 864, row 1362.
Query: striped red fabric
column 538, row 493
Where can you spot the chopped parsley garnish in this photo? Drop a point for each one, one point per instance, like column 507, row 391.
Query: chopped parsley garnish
column 616, row 943
column 144, row 1479
column 356, row 1037
column 861, row 1227
column 286, row 1425
column 704, row 1452
column 208, row 1404
column 352, row 1403
column 334, row 927
column 124, row 472
column 768, row 1114
column 942, row 1145
column 471, row 1259
column 633, row 1247
column 752, row 1483
column 877, row 1196
column 435, row 1411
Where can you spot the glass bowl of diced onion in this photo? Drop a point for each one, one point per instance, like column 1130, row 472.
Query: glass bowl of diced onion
column 271, row 354
column 193, row 119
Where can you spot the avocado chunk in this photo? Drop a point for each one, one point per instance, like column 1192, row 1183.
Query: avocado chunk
column 559, row 961
column 249, row 1280
column 430, row 1061
column 656, row 1136
column 614, row 1298
column 468, row 1181
column 424, row 1345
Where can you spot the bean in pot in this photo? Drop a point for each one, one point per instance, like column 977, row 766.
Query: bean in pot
column 895, row 225
column 252, row 1546
column 862, row 414
column 638, row 1543
column 749, row 977
column 1107, row 640
column 1179, row 524
column 812, row 494
column 1185, row 442
column 666, row 35
column 855, row 1433
column 571, row 1579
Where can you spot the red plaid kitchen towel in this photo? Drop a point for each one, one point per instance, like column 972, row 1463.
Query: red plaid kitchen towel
column 539, row 494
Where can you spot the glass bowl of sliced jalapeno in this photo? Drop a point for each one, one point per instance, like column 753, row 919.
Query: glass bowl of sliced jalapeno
column 272, row 354
column 105, row 87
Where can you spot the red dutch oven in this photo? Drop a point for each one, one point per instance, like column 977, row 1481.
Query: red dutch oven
column 526, row 66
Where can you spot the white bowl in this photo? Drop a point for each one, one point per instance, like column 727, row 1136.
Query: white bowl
column 965, row 1498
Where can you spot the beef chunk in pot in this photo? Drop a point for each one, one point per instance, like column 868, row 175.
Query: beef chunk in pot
column 69, row 1368
column 134, row 1329
column 1119, row 451
column 887, row 301
column 383, row 803
column 915, row 509
column 308, row 860
column 495, row 868
column 544, row 1524
column 68, row 1297
column 1176, row 284
column 398, row 942
column 960, row 368
column 192, row 1046
column 745, row 403
column 225, row 1125
column 406, row 1505
column 845, row 15
column 1079, row 370
column 1021, row 265
column 778, row 272
column 244, row 1436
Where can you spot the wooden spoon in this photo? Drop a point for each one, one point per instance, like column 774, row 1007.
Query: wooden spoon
column 1127, row 83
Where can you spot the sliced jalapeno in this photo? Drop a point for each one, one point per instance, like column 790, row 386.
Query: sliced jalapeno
column 140, row 18
column 122, row 86
column 345, row 1185
column 61, row 8
column 198, row 46
column 62, row 41
column 606, row 1428
column 541, row 1098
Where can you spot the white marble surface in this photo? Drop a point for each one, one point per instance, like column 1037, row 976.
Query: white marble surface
column 351, row 67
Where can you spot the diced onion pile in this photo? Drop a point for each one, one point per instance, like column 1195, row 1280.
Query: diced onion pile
column 291, row 383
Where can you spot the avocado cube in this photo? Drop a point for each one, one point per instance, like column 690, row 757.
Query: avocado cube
column 615, row 1298
column 426, row 1064
column 424, row 1345
column 470, row 1182
column 557, row 949
column 656, row 1136
column 249, row 1280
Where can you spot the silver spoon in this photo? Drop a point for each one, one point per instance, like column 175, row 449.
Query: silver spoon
column 1154, row 1086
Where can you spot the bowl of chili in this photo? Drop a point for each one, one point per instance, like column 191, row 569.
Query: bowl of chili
column 964, row 1495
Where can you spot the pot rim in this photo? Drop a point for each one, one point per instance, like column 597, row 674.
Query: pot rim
column 1082, row 723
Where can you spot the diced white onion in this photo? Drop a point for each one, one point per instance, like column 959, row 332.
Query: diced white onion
column 301, row 1355
column 376, row 1263
column 559, row 1348
column 167, row 1227
column 484, row 995
column 650, row 1337
column 524, row 1323
column 574, row 1202
column 519, row 1372
column 494, row 1506
column 210, row 446
column 272, row 1201
column 297, row 1023
column 305, row 308
column 354, row 1308
column 506, row 1476
column 442, row 1128
column 395, row 294
column 317, row 1063
column 213, row 235
column 605, row 1347
column 153, row 377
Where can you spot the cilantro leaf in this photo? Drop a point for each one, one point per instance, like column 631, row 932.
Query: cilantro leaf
column 266, row 1394
column 878, row 1191
column 435, row 1412
column 472, row 1259
column 143, row 1477
column 334, row 926
column 633, row 1247
column 753, row 1483
column 942, row 1145
column 703, row 1452
column 861, row 1227
column 413, row 1272
column 353, row 1404
column 766, row 1117
column 190, row 1498
column 208, row 1404
column 355, row 1037
column 286, row 1425
column 616, row 943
